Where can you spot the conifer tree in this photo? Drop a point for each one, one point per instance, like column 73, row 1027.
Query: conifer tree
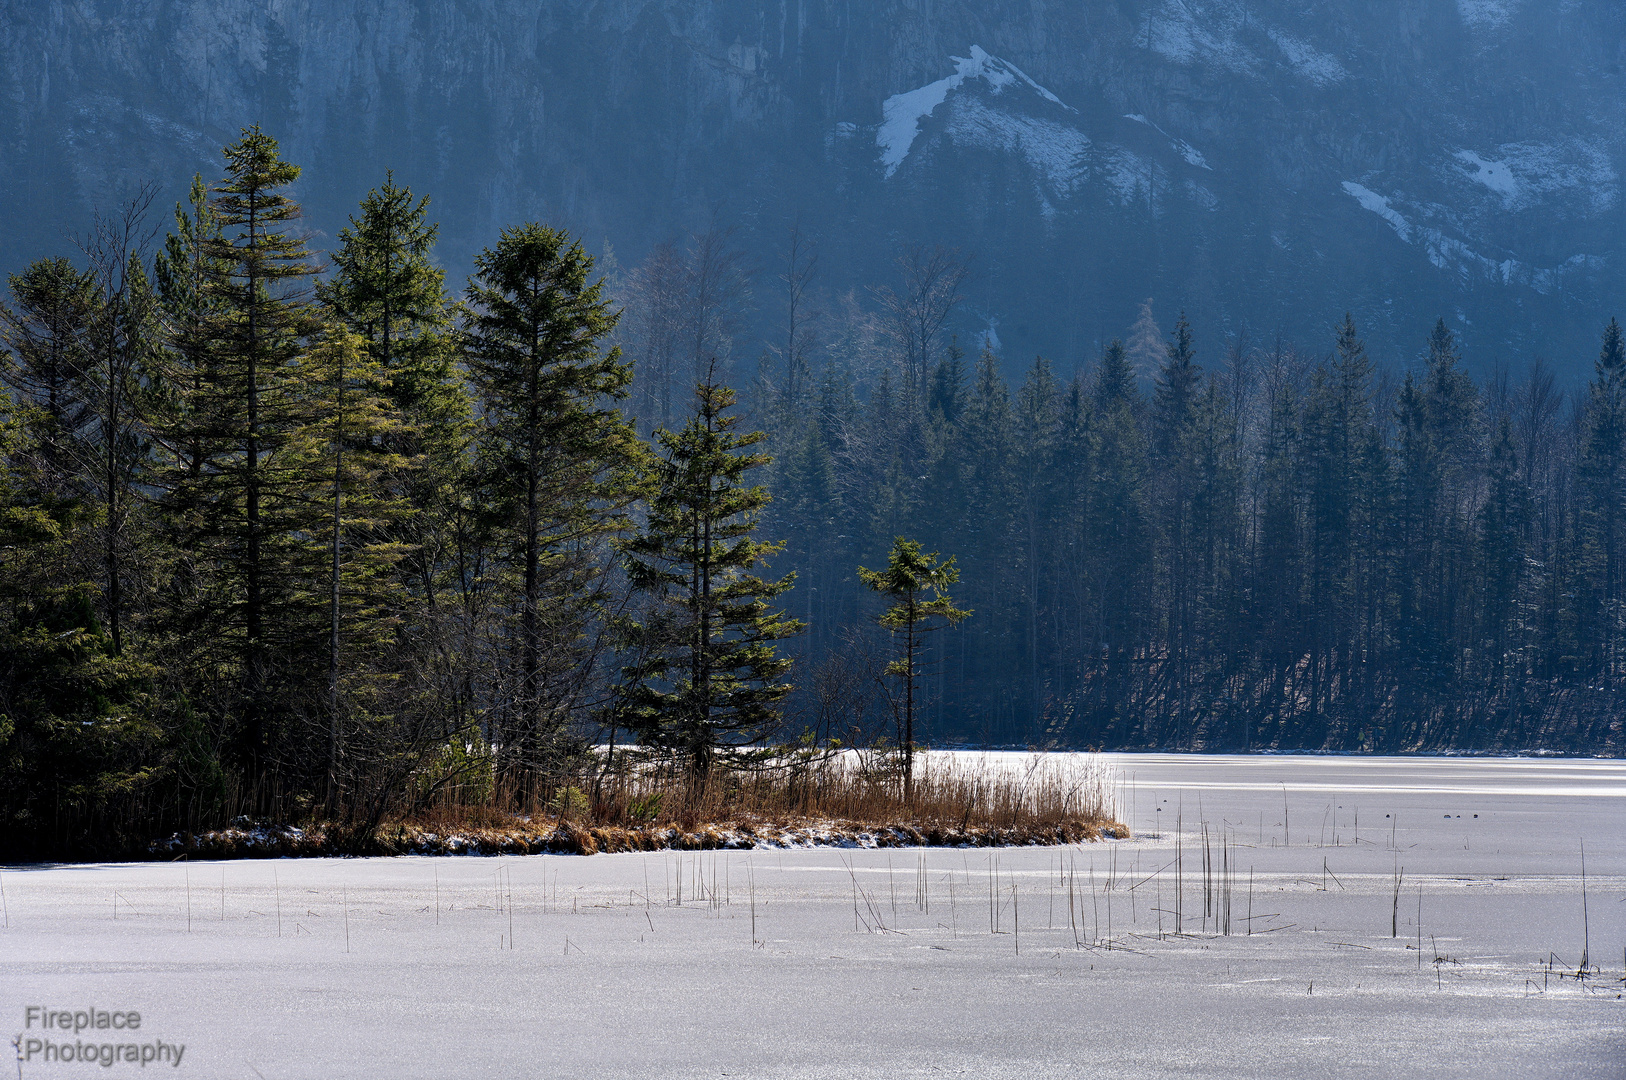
column 1602, row 469
column 347, row 406
column 1277, row 569
column 47, row 329
column 707, row 682
column 1175, row 453
column 385, row 288
column 916, row 583
column 986, row 527
column 1503, row 523
column 806, row 511
column 1119, row 544
column 245, row 407
column 1342, row 468
column 559, row 468
column 1417, row 483
column 946, row 401
column 1036, row 511
column 182, row 271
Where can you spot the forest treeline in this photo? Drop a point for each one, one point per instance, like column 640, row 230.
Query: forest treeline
column 1288, row 551
column 313, row 536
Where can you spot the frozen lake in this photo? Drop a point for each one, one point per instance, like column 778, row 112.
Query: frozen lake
column 1104, row 960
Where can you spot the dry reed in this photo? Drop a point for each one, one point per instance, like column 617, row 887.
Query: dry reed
column 843, row 799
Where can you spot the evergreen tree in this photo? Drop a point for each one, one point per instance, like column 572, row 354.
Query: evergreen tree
column 122, row 363
column 910, row 577
column 807, row 512
column 1175, row 464
column 82, row 739
column 1118, row 549
column 559, row 468
column 706, row 682
column 244, row 411
column 385, row 288
column 183, row 270
column 1341, row 468
column 47, row 329
column 946, row 400
column 1277, row 571
column 1503, row 524
column 1602, row 470
column 985, row 526
column 348, row 416
column 1034, row 496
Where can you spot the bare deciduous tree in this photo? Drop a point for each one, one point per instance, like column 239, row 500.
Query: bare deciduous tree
column 684, row 309
column 123, row 338
column 914, row 317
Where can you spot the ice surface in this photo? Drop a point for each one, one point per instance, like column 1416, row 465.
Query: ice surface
column 590, row 967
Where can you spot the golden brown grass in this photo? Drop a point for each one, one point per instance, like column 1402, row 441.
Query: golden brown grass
column 844, row 799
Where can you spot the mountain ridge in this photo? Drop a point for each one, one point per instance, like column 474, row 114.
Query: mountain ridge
column 1484, row 126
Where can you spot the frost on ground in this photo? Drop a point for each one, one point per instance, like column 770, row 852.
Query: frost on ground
column 1106, row 959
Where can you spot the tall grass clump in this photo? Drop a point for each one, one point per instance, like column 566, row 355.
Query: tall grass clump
column 955, row 798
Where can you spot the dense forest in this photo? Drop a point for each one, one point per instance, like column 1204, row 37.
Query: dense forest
column 311, row 535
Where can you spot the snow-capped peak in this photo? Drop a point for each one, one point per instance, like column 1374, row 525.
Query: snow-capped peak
column 901, row 114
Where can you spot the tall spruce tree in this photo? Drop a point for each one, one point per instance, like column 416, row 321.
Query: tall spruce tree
column 182, row 270
column 1119, row 544
column 559, row 469
column 48, row 330
column 1602, row 469
column 349, row 420
column 385, row 288
column 706, row 684
column 1175, row 430
column 247, row 497
column 122, row 364
column 1036, row 512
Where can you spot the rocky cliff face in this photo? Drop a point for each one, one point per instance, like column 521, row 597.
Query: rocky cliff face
column 1261, row 163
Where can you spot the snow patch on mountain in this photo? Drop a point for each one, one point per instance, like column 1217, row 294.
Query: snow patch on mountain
column 1191, row 31
column 1053, row 150
column 1448, row 253
column 1527, row 174
column 1314, row 65
column 1131, row 177
column 902, row 113
column 1493, row 174
column 1379, row 205
column 1576, row 168
column 1217, row 32
column 1486, row 14
column 1192, row 155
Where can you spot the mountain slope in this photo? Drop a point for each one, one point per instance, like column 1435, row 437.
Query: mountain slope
column 1262, row 163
